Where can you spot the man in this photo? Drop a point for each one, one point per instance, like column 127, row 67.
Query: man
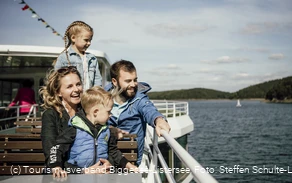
column 132, row 108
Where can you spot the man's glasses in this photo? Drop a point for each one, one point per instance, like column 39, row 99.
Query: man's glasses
column 67, row 69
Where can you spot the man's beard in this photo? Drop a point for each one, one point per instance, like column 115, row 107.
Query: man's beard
column 125, row 93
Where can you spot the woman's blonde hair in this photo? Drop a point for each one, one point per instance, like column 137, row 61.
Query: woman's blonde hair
column 94, row 96
column 49, row 92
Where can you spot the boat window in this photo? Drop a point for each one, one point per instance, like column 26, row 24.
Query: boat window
column 26, row 61
column 104, row 70
column 15, row 68
column 8, row 90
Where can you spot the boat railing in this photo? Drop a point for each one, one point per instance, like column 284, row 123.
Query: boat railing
column 6, row 119
column 197, row 172
column 172, row 108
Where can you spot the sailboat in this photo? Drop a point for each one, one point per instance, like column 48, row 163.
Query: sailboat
column 238, row 103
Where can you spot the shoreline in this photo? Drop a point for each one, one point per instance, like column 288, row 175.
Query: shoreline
column 287, row 101
column 253, row 99
column 250, row 99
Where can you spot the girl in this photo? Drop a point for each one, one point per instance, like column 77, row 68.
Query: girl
column 77, row 39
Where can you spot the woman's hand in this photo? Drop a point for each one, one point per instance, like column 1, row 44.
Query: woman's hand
column 101, row 167
column 58, row 172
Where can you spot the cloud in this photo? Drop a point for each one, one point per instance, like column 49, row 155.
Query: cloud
column 225, row 60
column 169, row 70
column 210, row 71
column 172, row 66
column 257, row 28
column 260, row 50
column 242, row 75
column 265, row 27
column 166, row 73
column 205, row 71
column 112, row 41
column 168, row 67
column 175, row 29
column 276, row 56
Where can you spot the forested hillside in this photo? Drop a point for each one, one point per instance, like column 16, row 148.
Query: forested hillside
column 195, row 93
column 257, row 91
column 281, row 91
column 278, row 89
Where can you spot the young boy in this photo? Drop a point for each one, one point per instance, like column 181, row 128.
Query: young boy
column 88, row 138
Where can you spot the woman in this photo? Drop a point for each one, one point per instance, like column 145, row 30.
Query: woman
column 24, row 96
column 61, row 96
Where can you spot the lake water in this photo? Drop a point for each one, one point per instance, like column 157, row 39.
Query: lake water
column 252, row 143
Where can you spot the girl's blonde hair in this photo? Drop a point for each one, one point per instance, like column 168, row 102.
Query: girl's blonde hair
column 94, row 96
column 49, row 92
column 73, row 29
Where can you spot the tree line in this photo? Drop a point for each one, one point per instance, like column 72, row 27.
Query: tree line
column 274, row 90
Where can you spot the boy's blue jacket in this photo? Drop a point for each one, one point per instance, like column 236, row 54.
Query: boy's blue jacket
column 139, row 111
column 87, row 149
column 77, row 142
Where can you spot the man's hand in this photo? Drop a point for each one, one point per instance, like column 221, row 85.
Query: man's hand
column 161, row 124
column 132, row 168
column 119, row 133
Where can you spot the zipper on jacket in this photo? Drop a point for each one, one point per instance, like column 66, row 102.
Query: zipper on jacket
column 131, row 108
column 95, row 147
column 96, row 142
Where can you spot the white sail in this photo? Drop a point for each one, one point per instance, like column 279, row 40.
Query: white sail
column 238, row 103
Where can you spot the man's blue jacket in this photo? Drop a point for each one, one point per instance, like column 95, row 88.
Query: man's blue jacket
column 139, row 111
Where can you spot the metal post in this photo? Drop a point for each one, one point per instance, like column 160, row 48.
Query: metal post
column 34, row 110
column 155, row 143
column 17, row 113
column 166, row 108
column 174, row 112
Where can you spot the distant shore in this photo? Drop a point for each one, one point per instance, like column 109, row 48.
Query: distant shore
column 257, row 99
column 287, row 101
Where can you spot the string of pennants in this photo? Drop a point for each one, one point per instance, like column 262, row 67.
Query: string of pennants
column 35, row 15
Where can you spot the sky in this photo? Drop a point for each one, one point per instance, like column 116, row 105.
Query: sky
column 225, row 45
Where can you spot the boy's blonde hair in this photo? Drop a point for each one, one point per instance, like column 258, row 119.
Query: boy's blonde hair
column 94, row 96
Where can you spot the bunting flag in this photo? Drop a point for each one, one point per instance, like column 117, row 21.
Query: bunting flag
column 35, row 15
column 25, row 7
